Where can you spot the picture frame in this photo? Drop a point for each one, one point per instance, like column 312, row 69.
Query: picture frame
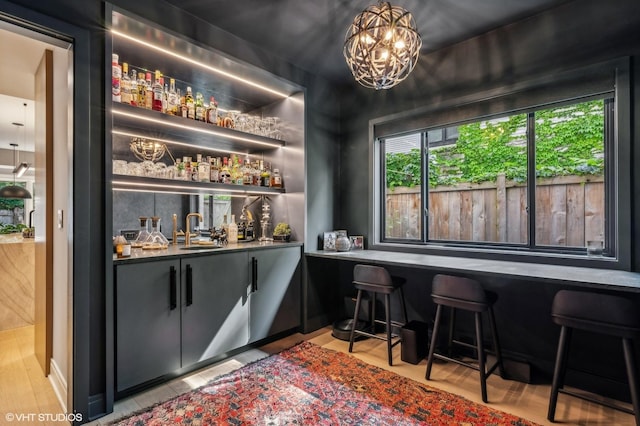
column 357, row 242
column 329, row 241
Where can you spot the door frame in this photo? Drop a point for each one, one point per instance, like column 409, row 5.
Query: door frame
column 79, row 222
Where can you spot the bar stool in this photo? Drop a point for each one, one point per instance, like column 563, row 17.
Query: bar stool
column 466, row 294
column 376, row 280
column 598, row 313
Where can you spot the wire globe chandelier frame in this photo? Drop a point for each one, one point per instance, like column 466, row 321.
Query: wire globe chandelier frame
column 382, row 46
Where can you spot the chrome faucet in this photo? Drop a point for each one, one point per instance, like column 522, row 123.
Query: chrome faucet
column 187, row 232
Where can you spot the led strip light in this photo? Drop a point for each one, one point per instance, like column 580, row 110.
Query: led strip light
column 200, row 64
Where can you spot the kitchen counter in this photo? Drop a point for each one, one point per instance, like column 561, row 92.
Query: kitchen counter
column 609, row 279
column 17, row 282
column 140, row 255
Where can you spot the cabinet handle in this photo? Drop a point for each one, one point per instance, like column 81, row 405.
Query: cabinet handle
column 189, row 286
column 254, row 274
column 173, row 289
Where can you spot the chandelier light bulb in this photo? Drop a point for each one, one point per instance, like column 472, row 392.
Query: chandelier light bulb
column 382, row 46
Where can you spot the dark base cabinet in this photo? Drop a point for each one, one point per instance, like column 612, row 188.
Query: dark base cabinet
column 274, row 303
column 147, row 321
column 173, row 314
column 214, row 312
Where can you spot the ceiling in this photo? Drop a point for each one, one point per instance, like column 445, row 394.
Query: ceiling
column 308, row 34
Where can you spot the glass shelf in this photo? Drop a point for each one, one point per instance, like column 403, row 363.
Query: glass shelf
column 149, row 184
column 139, row 122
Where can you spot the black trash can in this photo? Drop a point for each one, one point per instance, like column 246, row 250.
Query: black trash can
column 415, row 341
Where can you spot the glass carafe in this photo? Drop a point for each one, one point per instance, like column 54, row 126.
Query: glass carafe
column 143, row 234
column 156, row 240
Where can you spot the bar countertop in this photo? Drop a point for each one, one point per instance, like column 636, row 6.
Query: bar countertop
column 140, row 255
column 610, row 279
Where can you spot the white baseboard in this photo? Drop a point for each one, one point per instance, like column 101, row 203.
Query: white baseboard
column 59, row 384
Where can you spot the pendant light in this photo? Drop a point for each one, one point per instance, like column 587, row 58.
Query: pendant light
column 382, row 46
column 16, row 191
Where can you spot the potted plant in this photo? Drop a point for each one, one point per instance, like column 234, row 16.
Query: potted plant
column 282, row 232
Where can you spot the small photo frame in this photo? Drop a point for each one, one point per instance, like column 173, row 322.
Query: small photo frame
column 357, row 242
column 329, row 241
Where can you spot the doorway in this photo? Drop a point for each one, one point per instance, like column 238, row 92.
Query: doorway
column 37, row 75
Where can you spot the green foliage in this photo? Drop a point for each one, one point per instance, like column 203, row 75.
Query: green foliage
column 11, row 229
column 569, row 141
column 282, row 228
column 10, row 203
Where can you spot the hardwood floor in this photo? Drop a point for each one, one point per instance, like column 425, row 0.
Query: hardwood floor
column 24, row 389
column 524, row 400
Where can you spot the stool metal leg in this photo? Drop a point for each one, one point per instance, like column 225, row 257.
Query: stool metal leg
column 632, row 375
column 496, row 342
column 355, row 320
column 404, row 306
column 434, row 338
column 452, row 324
column 559, row 370
column 481, row 356
column 387, row 313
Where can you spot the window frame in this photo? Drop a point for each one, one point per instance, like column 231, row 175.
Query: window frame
column 617, row 176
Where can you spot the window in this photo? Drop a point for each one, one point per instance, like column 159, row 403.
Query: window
column 536, row 179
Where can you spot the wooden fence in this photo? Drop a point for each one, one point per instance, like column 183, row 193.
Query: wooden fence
column 569, row 211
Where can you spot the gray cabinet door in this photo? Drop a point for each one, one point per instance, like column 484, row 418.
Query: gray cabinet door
column 274, row 303
column 214, row 305
column 147, row 321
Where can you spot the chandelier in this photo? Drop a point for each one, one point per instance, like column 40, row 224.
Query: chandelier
column 382, row 46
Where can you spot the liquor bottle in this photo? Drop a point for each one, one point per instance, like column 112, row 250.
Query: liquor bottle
column 125, row 84
column 233, row 230
column 183, row 106
column 200, row 109
column 165, row 95
column 190, row 103
column 133, row 81
column 242, row 228
column 142, row 90
column 215, row 170
column 276, row 179
column 204, row 172
column 195, row 175
column 255, row 173
column 148, row 99
column 225, row 225
column 116, row 76
column 237, row 176
column 246, row 172
column 225, row 173
column 173, row 101
column 212, row 111
column 156, row 102
column 187, row 167
column 265, row 176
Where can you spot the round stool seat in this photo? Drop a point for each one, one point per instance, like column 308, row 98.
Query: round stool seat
column 462, row 293
column 600, row 313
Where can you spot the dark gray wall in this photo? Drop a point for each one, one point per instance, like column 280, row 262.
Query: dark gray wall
column 576, row 34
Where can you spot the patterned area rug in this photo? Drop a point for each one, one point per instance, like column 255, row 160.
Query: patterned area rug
column 311, row 385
